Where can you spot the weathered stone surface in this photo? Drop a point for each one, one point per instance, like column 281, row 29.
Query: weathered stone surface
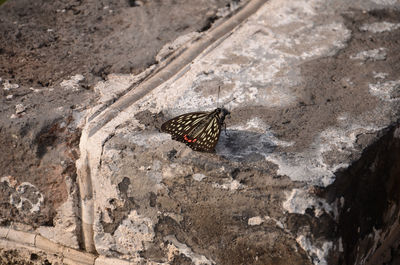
column 21, row 237
column 46, row 87
column 302, row 115
column 51, row 155
column 4, row 231
column 16, row 253
column 110, row 261
column 51, row 56
column 305, row 173
column 67, row 226
column 48, row 245
column 77, row 257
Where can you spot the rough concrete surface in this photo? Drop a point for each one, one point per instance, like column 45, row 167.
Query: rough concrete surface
column 26, row 257
column 307, row 171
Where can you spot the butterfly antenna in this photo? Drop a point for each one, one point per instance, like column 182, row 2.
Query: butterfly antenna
column 233, row 99
column 219, row 89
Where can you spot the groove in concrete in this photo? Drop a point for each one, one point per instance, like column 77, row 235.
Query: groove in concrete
column 175, row 66
column 36, row 243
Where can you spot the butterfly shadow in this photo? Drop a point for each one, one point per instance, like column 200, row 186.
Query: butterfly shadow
column 245, row 146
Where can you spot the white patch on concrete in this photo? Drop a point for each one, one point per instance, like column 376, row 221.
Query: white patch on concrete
column 306, row 166
column 379, row 75
column 231, row 185
column 370, row 55
column 379, row 27
column 19, row 198
column 177, row 217
column 298, row 201
column 388, row 91
column 133, row 234
column 198, row 177
column 385, row 2
column 19, row 108
column 309, row 166
column 321, row 42
column 254, row 125
column 346, row 81
column 257, row 220
column 73, row 82
column 5, row 179
column 9, row 97
column 36, row 90
column 176, row 247
column 8, row 86
column 229, row 9
column 317, row 254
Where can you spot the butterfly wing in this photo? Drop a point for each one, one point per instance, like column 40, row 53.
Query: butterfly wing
column 207, row 137
column 199, row 130
column 183, row 124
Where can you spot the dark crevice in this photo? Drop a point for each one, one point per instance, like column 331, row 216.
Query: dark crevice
column 47, row 137
column 209, row 23
column 370, row 192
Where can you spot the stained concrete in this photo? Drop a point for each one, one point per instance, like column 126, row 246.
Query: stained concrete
column 306, row 172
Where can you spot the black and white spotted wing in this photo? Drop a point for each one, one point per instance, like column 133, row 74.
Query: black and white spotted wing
column 199, row 130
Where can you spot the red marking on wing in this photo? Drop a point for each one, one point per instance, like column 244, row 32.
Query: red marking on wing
column 185, row 137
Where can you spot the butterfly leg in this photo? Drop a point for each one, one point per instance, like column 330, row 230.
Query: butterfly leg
column 225, row 130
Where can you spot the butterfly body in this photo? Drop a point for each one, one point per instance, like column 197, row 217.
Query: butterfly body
column 199, row 130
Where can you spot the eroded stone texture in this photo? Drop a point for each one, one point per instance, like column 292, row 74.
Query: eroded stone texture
column 26, row 257
column 306, row 99
column 305, row 173
column 34, row 186
column 163, row 198
column 46, row 87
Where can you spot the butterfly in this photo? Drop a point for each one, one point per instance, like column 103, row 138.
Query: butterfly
column 199, row 130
